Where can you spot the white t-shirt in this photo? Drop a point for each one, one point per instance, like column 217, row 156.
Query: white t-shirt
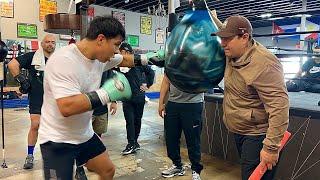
column 68, row 72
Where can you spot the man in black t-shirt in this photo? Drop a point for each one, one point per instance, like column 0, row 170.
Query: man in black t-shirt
column 308, row 77
column 32, row 85
column 140, row 79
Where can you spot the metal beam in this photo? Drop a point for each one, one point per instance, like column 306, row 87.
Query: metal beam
column 104, row 3
column 150, row 3
column 132, row 5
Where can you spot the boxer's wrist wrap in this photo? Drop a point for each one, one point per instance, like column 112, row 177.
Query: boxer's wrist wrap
column 20, row 78
column 94, row 99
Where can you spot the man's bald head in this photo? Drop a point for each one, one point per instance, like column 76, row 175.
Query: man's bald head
column 48, row 44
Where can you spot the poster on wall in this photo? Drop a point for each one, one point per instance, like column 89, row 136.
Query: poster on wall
column 25, row 30
column 65, row 37
column 16, row 48
column 7, row 8
column 61, row 44
column 90, row 14
column 159, row 36
column 47, row 7
column 145, row 25
column 133, row 40
column 121, row 16
column 32, row 45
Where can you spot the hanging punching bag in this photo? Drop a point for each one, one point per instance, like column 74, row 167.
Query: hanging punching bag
column 194, row 60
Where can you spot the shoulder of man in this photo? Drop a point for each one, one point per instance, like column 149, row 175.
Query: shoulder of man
column 26, row 55
column 25, row 60
column 261, row 58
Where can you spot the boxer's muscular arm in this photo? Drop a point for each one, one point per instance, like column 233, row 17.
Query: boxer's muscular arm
column 73, row 105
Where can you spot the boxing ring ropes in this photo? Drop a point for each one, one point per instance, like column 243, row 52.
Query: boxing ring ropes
column 296, row 172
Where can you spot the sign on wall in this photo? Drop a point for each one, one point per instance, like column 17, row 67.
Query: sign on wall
column 90, row 13
column 121, row 16
column 32, row 45
column 47, row 7
column 27, row 31
column 16, row 47
column 7, row 7
column 65, row 37
column 133, row 40
column 146, row 25
column 159, row 36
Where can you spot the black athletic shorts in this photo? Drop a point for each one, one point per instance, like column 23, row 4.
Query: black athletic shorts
column 35, row 102
column 34, row 109
column 58, row 158
column 35, row 96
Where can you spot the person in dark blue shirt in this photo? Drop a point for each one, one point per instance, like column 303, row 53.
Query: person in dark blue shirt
column 140, row 79
column 308, row 77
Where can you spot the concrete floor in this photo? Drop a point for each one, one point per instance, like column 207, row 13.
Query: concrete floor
column 146, row 164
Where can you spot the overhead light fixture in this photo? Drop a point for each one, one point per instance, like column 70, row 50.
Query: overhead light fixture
column 300, row 15
column 157, row 10
column 160, row 12
column 265, row 15
column 275, row 18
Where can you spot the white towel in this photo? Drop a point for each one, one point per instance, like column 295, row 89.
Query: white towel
column 38, row 60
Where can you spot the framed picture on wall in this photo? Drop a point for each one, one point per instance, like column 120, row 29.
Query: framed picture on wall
column 47, row 7
column 121, row 16
column 133, row 40
column 7, row 8
column 25, row 30
column 90, row 13
column 65, row 37
column 146, row 25
column 159, row 36
column 13, row 46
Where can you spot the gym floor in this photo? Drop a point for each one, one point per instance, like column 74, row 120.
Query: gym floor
column 146, row 164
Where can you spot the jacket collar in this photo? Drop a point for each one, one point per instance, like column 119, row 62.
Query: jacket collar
column 246, row 57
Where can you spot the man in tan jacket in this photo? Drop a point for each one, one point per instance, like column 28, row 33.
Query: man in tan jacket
column 256, row 104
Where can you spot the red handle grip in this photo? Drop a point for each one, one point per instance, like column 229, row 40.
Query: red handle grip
column 260, row 169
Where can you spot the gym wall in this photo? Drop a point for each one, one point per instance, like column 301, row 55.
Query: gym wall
column 27, row 11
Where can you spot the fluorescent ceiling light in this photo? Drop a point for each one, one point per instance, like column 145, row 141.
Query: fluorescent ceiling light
column 265, row 15
column 300, row 15
column 275, row 18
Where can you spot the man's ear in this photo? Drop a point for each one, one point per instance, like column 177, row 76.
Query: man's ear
column 246, row 36
column 100, row 37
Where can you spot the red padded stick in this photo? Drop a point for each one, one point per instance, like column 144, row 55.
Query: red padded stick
column 260, row 169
